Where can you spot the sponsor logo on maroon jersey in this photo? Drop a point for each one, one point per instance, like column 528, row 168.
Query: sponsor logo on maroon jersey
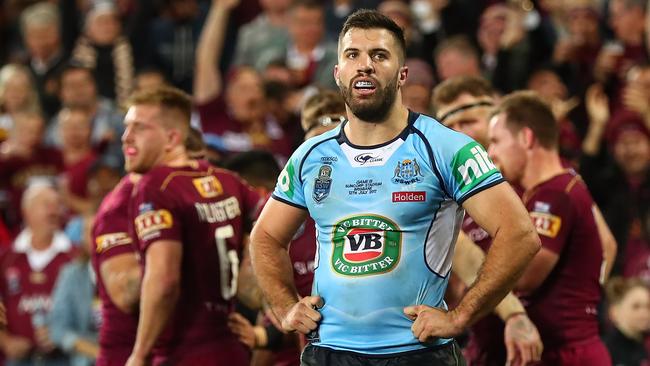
column 417, row 196
column 110, row 240
column 12, row 275
column 546, row 224
column 150, row 223
column 208, row 187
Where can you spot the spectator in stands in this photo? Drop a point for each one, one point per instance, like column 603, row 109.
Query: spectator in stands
column 456, row 56
column 78, row 156
column 307, row 53
column 575, row 53
column 22, row 159
column 629, row 311
column 149, row 78
column 79, row 90
column 40, row 27
column 103, row 49
column 506, row 47
column 174, row 38
column 269, row 29
column 400, row 12
column 76, row 315
column 28, row 274
column 17, row 93
column 416, row 92
column 620, row 184
column 232, row 111
column 548, row 85
column 626, row 18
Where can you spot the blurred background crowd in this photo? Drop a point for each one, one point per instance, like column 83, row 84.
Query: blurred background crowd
column 67, row 68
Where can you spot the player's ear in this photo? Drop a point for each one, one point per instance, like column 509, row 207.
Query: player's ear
column 528, row 137
column 403, row 75
column 336, row 75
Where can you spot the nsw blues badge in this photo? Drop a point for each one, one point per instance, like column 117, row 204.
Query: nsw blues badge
column 322, row 183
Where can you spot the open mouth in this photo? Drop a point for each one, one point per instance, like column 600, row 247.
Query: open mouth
column 365, row 86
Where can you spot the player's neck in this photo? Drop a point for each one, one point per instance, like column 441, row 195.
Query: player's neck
column 175, row 158
column 542, row 165
column 364, row 133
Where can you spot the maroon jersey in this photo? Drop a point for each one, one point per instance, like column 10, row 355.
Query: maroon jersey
column 27, row 281
column 302, row 251
column 485, row 345
column 111, row 236
column 207, row 211
column 564, row 307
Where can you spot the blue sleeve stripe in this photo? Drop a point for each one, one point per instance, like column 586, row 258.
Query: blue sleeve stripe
column 480, row 189
column 288, row 202
column 433, row 161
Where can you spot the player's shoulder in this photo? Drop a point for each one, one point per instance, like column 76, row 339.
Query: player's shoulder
column 436, row 135
column 117, row 197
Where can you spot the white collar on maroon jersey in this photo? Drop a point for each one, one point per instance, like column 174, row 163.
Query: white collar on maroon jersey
column 39, row 259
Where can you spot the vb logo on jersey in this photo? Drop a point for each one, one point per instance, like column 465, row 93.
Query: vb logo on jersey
column 365, row 245
column 322, row 183
column 471, row 165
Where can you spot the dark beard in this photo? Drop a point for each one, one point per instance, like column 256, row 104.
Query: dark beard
column 375, row 111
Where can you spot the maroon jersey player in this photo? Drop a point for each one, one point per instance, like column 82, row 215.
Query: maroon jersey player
column 189, row 222
column 118, row 275
column 561, row 287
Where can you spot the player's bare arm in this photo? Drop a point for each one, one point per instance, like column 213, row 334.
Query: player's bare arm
column 521, row 337
column 271, row 235
column 160, row 291
column 609, row 244
column 248, row 291
column 122, row 276
column 501, row 214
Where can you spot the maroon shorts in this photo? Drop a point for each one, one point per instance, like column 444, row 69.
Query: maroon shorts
column 113, row 357
column 592, row 353
column 227, row 352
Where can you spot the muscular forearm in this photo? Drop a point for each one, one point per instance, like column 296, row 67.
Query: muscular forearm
column 159, row 297
column 468, row 258
column 502, row 267
column 272, row 266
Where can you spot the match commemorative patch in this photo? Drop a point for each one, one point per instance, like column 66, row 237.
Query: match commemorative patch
column 108, row 241
column 149, row 224
column 546, row 224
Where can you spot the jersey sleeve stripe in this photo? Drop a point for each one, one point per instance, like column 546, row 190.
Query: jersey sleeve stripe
column 480, row 189
column 288, row 202
column 302, row 161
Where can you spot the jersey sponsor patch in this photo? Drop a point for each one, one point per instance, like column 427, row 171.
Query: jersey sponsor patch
column 285, row 180
column 546, row 224
column 407, row 171
column 150, row 223
column 416, row 196
column 108, row 241
column 365, row 245
column 208, row 187
column 471, row 165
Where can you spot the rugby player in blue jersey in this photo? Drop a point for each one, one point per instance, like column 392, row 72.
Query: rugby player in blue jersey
column 387, row 189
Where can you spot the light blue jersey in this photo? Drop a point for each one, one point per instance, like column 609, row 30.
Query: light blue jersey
column 387, row 218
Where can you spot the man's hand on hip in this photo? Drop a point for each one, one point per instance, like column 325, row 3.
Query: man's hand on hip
column 303, row 316
column 430, row 323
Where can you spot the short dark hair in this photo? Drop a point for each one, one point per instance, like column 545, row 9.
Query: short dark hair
column 460, row 43
column 527, row 109
column 259, row 168
column 307, row 4
column 372, row 19
column 450, row 89
column 74, row 65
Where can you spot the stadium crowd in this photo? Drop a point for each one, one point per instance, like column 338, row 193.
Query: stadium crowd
column 260, row 75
